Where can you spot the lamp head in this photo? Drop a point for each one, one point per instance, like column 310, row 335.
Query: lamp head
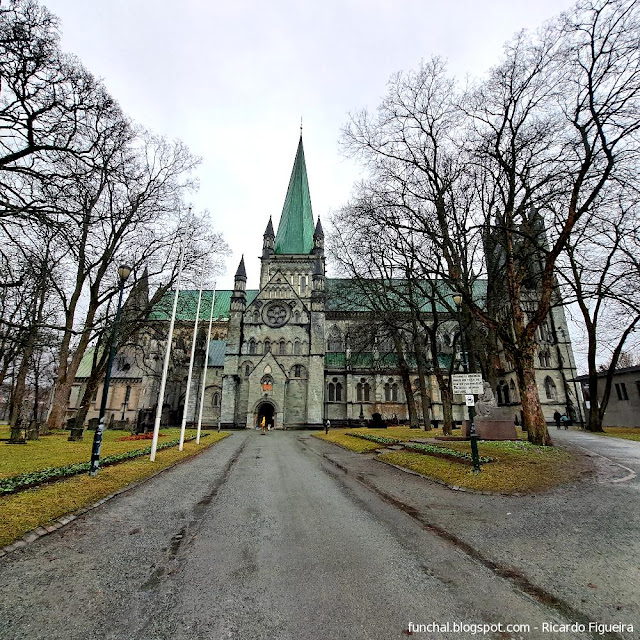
column 123, row 272
column 457, row 298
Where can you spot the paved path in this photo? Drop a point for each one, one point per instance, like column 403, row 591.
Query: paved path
column 621, row 457
column 264, row 537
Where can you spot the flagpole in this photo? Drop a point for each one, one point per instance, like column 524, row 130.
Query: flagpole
column 167, row 354
column 204, row 368
column 193, row 353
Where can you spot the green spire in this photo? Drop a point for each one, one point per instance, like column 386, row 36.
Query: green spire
column 295, row 231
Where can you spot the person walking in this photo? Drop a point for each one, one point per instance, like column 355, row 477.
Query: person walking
column 557, row 417
column 565, row 421
column 264, row 425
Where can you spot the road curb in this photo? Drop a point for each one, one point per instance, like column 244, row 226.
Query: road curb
column 45, row 530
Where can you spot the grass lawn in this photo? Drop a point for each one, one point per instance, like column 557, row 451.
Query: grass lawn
column 628, row 433
column 40, row 506
column 56, row 451
column 518, row 466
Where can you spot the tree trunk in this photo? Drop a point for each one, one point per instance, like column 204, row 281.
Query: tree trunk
column 531, row 407
column 447, row 409
column 424, row 392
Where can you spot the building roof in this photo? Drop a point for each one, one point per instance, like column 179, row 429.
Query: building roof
column 217, row 349
column 295, row 230
column 188, row 303
column 617, row 372
column 344, row 294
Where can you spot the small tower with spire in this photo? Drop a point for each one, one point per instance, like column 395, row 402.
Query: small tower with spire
column 239, row 297
column 318, row 239
column 268, row 240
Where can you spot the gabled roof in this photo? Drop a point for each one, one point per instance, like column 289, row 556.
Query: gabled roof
column 295, row 230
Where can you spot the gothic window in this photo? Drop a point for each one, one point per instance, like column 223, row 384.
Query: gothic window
column 338, row 392
column 256, row 316
column 503, row 393
column 332, row 392
column 215, row 400
column 512, row 390
column 247, row 370
column 367, row 392
column 359, row 392
column 334, row 342
column 394, row 392
column 550, row 388
column 296, row 316
column 252, row 347
column 282, row 350
column 303, row 285
column 127, row 395
column 387, row 392
column 267, row 382
column 297, row 371
column 267, row 346
column 545, row 359
column 296, row 348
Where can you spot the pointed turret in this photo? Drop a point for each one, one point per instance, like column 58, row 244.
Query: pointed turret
column 318, row 239
column 295, row 230
column 241, row 273
column 239, row 297
column 267, row 240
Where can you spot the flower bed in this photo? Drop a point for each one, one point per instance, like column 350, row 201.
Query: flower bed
column 34, row 478
column 368, row 436
column 444, row 452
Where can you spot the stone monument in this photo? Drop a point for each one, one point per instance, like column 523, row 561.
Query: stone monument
column 493, row 422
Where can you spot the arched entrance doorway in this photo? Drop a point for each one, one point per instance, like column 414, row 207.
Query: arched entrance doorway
column 265, row 410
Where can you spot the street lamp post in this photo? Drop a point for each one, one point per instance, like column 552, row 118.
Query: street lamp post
column 457, row 298
column 123, row 274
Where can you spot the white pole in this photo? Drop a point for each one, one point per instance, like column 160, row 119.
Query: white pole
column 193, row 353
column 204, row 368
column 167, row 354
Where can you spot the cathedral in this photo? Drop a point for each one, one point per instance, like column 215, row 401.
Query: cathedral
column 283, row 353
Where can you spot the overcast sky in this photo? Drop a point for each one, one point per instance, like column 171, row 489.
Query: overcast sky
column 232, row 79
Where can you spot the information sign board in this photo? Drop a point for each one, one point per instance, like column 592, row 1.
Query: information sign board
column 466, row 383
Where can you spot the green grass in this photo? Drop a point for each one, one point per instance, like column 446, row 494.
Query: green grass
column 56, row 451
column 518, row 466
column 627, row 433
column 40, row 506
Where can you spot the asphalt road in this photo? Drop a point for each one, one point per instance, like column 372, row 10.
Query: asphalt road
column 269, row 537
column 624, row 455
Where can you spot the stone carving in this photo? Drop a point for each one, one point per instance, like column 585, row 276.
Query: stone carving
column 486, row 405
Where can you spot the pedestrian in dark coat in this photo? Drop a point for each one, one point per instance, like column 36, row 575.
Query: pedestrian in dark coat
column 557, row 417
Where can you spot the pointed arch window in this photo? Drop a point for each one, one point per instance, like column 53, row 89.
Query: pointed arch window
column 252, row 347
column 267, row 346
column 282, row 347
column 338, row 392
column 334, row 342
column 296, row 347
column 247, row 370
column 394, row 392
column 332, row 392
column 387, row 392
column 215, row 400
column 550, row 388
column 359, row 392
column 267, row 382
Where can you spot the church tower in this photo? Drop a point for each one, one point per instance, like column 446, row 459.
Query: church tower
column 274, row 363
